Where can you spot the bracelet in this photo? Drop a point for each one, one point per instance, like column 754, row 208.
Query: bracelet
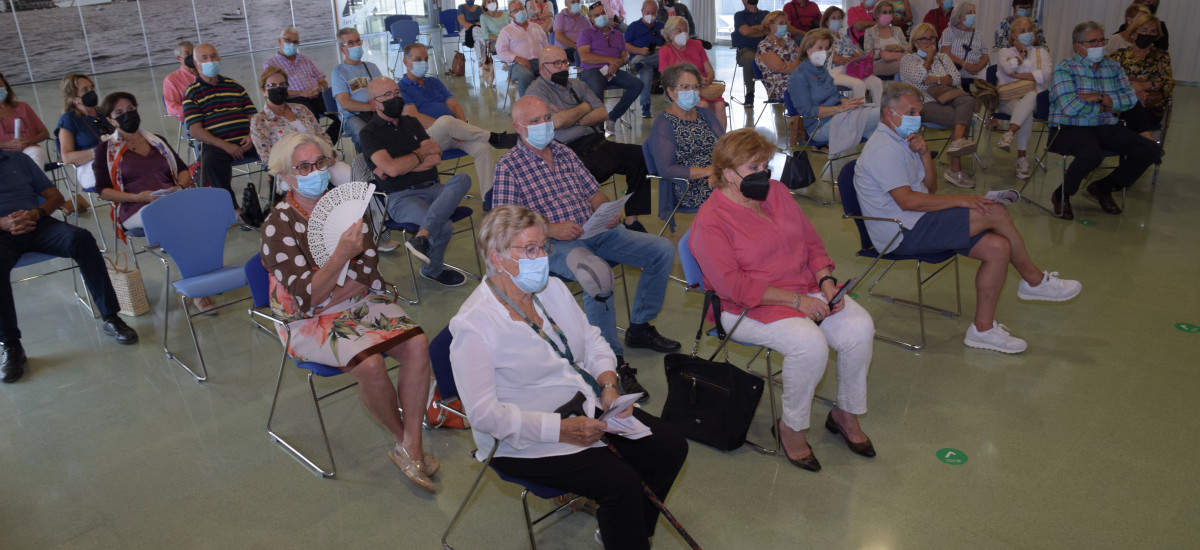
column 796, row 301
column 821, row 283
column 606, row 386
column 420, row 158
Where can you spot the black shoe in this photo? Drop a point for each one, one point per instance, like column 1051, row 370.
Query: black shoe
column 1103, row 194
column 13, row 361
column 448, row 277
column 629, row 383
column 650, row 338
column 865, row 448
column 636, row 226
column 419, row 247
column 809, row 462
column 124, row 334
column 646, row 110
column 503, row 140
column 1061, row 205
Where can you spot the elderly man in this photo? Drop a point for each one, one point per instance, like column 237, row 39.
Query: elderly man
column 350, row 80
column 176, row 83
column 217, row 113
column 747, row 33
column 1087, row 93
column 602, row 54
column 305, row 80
column 518, row 45
column 548, row 178
column 568, row 23
column 896, row 179
column 26, row 199
column 577, row 112
column 642, row 39
column 404, row 160
column 429, row 101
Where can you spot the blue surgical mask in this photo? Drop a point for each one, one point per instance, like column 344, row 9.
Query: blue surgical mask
column 520, row 16
column 781, row 31
column 601, row 21
column 210, row 68
column 575, row 9
column 835, row 25
column 969, row 20
column 419, row 68
column 314, row 184
column 1026, row 38
column 1094, row 55
column 355, row 52
column 1022, row 12
column 908, row 125
column 687, row 99
column 922, row 53
column 3, row 94
column 289, row 49
column 533, row 275
column 540, row 135
column 947, row 5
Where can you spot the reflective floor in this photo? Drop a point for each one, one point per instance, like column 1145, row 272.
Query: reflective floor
column 1083, row 441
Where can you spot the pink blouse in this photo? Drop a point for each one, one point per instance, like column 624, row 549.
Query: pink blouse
column 694, row 53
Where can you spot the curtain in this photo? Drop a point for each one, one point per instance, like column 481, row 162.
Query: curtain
column 704, row 14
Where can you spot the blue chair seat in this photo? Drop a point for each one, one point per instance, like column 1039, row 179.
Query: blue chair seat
column 460, row 213
column 538, row 490
column 214, row 282
column 320, row 370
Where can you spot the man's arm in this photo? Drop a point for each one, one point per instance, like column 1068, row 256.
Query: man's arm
column 1063, row 96
column 567, row 118
column 456, row 109
column 425, row 120
column 424, row 158
column 1123, row 97
column 346, row 102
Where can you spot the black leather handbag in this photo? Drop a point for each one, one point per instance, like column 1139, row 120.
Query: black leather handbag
column 709, row 401
column 797, row 171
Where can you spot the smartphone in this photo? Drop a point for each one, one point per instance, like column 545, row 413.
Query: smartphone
column 841, row 293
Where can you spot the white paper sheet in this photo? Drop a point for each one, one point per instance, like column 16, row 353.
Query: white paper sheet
column 600, row 218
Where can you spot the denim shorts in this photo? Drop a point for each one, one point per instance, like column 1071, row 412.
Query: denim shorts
column 940, row 231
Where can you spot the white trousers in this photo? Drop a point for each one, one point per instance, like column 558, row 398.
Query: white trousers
column 1021, row 111
column 859, row 88
column 451, row 133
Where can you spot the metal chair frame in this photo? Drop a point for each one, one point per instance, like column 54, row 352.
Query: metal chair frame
column 458, row 215
column 1052, row 128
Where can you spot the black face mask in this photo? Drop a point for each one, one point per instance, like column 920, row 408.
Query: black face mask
column 129, row 121
column 1153, row 8
column 668, row 3
column 189, row 62
column 277, row 95
column 559, row 77
column 751, row 2
column 394, row 107
column 756, row 186
column 1144, row 40
column 90, row 99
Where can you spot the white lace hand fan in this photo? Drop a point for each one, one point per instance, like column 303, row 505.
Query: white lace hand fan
column 337, row 210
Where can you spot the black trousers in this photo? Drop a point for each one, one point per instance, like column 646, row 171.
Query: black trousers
column 626, row 517
column 603, row 158
column 216, row 168
column 316, row 106
column 1087, row 143
column 60, row 239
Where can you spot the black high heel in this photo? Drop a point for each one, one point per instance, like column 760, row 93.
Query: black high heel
column 809, row 462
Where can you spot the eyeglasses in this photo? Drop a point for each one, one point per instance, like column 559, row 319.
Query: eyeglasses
column 306, row 168
column 387, row 96
column 531, row 249
column 1095, row 43
column 925, row 39
column 353, row 43
column 270, row 85
column 559, row 63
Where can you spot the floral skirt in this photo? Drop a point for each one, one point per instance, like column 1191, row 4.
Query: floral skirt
column 344, row 338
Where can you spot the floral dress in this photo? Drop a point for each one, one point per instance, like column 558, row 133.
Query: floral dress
column 694, row 142
column 339, row 335
column 1156, row 68
column 776, row 83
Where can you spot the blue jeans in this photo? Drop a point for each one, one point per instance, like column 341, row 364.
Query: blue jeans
column 646, row 73
column 430, row 208
column 822, row 133
column 654, row 254
column 596, row 82
column 522, row 76
column 353, row 125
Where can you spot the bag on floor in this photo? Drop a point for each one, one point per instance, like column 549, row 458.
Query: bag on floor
column 797, row 171
column 708, row 401
column 131, row 292
column 252, row 211
column 487, row 73
column 458, row 66
column 441, row 418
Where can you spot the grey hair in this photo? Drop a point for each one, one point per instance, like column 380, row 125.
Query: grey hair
column 670, row 75
column 1082, row 29
column 183, row 44
column 342, row 32
column 285, row 31
column 501, row 226
column 281, row 154
column 960, row 13
column 674, row 23
column 891, row 94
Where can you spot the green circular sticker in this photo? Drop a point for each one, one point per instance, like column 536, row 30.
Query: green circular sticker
column 854, row 295
column 1188, row 327
column 1087, row 223
column 953, row 457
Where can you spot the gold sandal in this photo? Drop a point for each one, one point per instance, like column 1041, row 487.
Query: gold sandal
column 430, row 464
column 412, row 469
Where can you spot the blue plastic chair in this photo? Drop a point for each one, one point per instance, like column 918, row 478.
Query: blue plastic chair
column 456, row 155
column 403, row 32
column 451, row 30
column 191, row 226
column 853, row 211
column 34, row 258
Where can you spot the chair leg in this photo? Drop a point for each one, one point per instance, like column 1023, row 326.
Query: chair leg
column 920, row 304
column 528, row 520
column 203, row 374
column 292, row 450
column 96, row 216
column 466, row 499
column 412, row 270
column 768, row 380
column 86, row 299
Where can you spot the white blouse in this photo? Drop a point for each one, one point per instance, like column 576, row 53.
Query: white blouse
column 509, row 378
column 1037, row 61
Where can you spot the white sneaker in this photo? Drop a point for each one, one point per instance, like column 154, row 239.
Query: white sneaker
column 388, row 246
column 996, row 338
column 1051, row 289
column 1023, row 168
column 960, row 147
column 1005, row 142
column 959, row 179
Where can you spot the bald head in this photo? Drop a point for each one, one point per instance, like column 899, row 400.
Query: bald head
column 552, row 59
column 381, row 89
column 204, row 52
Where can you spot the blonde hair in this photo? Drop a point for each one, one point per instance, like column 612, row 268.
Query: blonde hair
column 916, row 33
column 1013, row 34
column 1140, row 21
column 672, row 24
column 814, row 36
column 501, row 226
column 736, row 148
column 70, row 87
column 770, row 19
column 268, row 73
column 281, row 154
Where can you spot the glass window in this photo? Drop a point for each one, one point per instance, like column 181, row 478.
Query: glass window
column 726, row 9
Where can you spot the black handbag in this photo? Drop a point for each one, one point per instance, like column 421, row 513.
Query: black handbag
column 710, row 402
column 252, row 211
column 797, row 171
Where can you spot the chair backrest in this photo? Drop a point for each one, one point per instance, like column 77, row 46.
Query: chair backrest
column 257, row 280
column 850, row 204
column 191, row 226
column 439, row 360
column 991, row 75
column 757, row 71
column 405, row 31
column 330, row 102
column 449, row 21
column 691, row 268
column 360, row 170
column 788, row 108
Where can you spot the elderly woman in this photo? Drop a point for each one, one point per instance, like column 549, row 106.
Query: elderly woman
column 814, row 92
column 279, row 119
column 522, row 349
column 1124, row 36
column 20, row 128
column 1022, row 65
column 678, row 49
column 761, row 254
column 349, row 325
column 541, row 13
column 683, row 136
column 885, row 42
column 925, row 68
column 1149, row 71
column 80, row 128
column 1021, row 8
column 488, row 30
column 964, row 46
column 845, row 51
column 778, row 55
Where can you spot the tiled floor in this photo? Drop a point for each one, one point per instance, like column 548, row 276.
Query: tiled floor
column 1083, row 441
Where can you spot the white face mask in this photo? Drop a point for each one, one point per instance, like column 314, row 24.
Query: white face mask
column 491, row 6
column 818, row 57
column 681, row 39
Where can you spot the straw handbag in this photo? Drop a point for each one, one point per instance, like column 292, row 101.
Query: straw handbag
column 131, row 293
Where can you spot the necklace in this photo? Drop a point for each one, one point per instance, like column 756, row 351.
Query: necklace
column 292, row 201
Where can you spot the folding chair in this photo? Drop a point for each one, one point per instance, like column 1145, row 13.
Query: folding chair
column 331, row 109
column 1160, row 133
column 1053, row 130
column 403, row 32
column 33, row 258
column 451, row 31
column 810, row 145
column 667, row 189
column 88, row 192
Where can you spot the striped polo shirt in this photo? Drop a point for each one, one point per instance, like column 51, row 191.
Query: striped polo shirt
column 224, row 108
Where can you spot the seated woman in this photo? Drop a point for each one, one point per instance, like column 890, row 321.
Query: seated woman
column 1149, row 71
column 1125, row 35
column 845, row 51
column 816, row 97
column 80, row 128
column 1022, row 62
column 964, row 46
column 348, row 326
column 279, row 119
column 513, row 372
column 468, row 19
column 759, row 252
column 20, row 128
column 683, row 136
column 678, row 49
column 541, row 13
column 885, row 42
column 924, row 67
column 778, row 55
column 488, row 30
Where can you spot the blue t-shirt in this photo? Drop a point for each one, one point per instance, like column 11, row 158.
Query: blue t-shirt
column 353, row 79
column 744, row 17
column 429, row 99
column 86, row 130
column 641, row 35
column 470, row 16
column 21, row 182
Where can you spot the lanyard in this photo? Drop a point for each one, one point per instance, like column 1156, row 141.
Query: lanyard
column 565, row 353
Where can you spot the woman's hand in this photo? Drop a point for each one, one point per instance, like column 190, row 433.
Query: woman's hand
column 144, row 196
column 829, row 290
column 813, row 308
column 350, row 244
column 849, row 103
column 606, row 401
column 12, row 144
column 581, row 430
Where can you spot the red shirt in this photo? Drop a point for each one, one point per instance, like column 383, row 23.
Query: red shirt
column 854, row 15
column 938, row 18
column 804, row 17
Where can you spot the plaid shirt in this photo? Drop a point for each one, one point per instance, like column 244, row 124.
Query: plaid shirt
column 1075, row 75
column 301, row 75
column 561, row 193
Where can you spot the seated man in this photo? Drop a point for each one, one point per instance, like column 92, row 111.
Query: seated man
column 518, row 45
column 548, row 178
column 602, row 54
column 217, row 113
column 747, row 33
column 176, row 83
column 642, row 39
column 577, row 112
column 350, row 79
column 1087, row 93
column 896, row 179
column 305, row 80
column 25, row 226
column 404, row 160
column 429, row 101
column 568, row 23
